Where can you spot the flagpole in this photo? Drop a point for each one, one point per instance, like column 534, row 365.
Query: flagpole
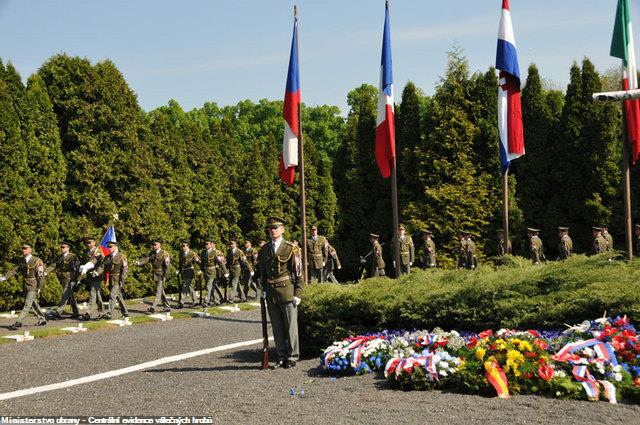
column 505, row 211
column 626, row 181
column 303, row 197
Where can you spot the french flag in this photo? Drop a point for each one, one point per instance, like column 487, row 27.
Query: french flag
column 109, row 236
column 385, row 123
column 509, row 107
column 289, row 159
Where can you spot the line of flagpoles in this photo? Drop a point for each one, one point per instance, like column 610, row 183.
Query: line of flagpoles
column 510, row 125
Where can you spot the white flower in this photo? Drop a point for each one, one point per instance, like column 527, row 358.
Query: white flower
column 443, row 373
column 617, row 377
column 617, row 368
column 559, row 374
column 600, row 367
column 443, row 365
column 589, row 352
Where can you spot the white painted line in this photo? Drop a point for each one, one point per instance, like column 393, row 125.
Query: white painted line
column 125, row 370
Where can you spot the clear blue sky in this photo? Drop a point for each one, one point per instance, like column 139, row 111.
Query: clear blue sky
column 229, row 50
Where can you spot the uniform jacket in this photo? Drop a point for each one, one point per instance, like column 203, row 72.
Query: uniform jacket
column 376, row 262
column 317, row 251
column 537, row 250
column 599, row 245
column 213, row 263
column 428, row 254
column 32, row 273
column 236, row 260
column 407, row 250
column 117, row 266
column 565, row 247
column 160, row 262
column 67, row 267
column 281, row 272
column 186, row 264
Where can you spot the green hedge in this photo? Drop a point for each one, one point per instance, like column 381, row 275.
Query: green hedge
column 514, row 295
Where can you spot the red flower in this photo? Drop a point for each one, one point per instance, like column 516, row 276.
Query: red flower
column 623, row 321
column 485, row 334
column 608, row 331
column 528, row 375
column 545, row 371
column 531, row 354
column 618, row 343
column 630, row 335
column 534, row 333
column 472, row 342
column 540, row 344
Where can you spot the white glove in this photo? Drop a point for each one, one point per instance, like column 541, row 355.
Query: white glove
column 45, row 273
column 2, row 278
column 251, row 274
column 87, row 267
column 394, row 264
column 137, row 263
column 226, row 276
column 339, row 267
column 177, row 272
column 324, row 264
column 296, row 301
column 410, row 264
column 263, row 294
column 94, row 274
column 199, row 272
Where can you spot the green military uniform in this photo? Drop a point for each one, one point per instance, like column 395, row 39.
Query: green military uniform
column 32, row 270
column 501, row 249
column 462, row 253
column 536, row 247
column 599, row 242
column 116, row 266
column 247, row 277
column 470, row 254
column 187, row 272
column 214, row 268
column 317, row 254
column 67, row 268
column 607, row 237
column 91, row 259
column 332, row 263
column 428, row 251
column 160, row 261
column 280, row 270
column 565, row 247
column 407, row 252
column 376, row 262
column 236, row 261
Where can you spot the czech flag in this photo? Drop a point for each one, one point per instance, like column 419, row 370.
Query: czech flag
column 622, row 47
column 289, row 159
column 509, row 108
column 109, row 236
column 385, row 123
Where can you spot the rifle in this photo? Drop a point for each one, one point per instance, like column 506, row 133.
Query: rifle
column 265, row 335
column 201, row 282
column 363, row 261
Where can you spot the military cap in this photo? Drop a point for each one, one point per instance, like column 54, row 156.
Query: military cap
column 637, row 226
column 65, row 242
column 401, row 227
column 185, row 243
column 275, row 222
column 114, row 243
column 27, row 245
column 426, row 232
column 314, row 227
column 155, row 240
column 89, row 239
column 532, row 230
column 500, row 231
column 562, row 229
column 374, row 236
column 596, row 228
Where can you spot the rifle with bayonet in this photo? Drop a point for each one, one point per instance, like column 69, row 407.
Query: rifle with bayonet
column 363, row 261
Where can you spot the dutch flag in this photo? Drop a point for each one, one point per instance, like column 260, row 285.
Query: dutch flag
column 385, row 123
column 289, row 159
column 509, row 108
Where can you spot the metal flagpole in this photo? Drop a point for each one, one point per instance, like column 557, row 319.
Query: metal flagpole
column 505, row 210
column 626, row 182
column 303, row 197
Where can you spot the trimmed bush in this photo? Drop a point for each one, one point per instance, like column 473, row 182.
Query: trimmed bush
column 514, row 295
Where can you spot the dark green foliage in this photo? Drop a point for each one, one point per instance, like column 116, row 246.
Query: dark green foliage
column 516, row 295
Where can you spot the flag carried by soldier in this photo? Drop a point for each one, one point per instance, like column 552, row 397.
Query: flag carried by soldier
column 109, row 236
column 509, row 107
column 385, row 122
column 290, row 113
column 622, row 47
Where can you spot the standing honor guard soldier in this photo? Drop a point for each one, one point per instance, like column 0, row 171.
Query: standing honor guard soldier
column 237, row 261
column 607, row 236
column 407, row 251
column 317, row 252
column 428, row 251
column 333, row 262
column 536, row 247
column 599, row 242
column 67, row 268
column 281, row 281
column 214, row 268
column 565, row 247
column 471, row 262
column 376, row 262
column 187, row 273
column 251, row 254
column 462, row 251
column 501, row 244
column 115, row 267
column 160, row 261
column 91, row 258
column 32, row 271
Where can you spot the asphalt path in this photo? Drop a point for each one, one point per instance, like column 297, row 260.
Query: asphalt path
column 229, row 387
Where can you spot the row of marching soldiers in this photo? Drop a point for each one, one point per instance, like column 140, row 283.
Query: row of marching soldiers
column 219, row 271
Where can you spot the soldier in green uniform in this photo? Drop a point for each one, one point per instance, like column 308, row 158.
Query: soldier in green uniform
column 67, row 267
column 471, row 262
column 462, row 251
column 428, row 250
column 116, row 267
column 32, row 271
column 501, row 244
column 160, row 261
column 407, row 250
column 535, row 245
column 281, row 282
column 214, row 268
column 91, row 258
column 565, row 247
column 236, row 261
column 375, row 261
column 607, row 236
column 186, row 270
column 333, row 262
column 599, row 242
column 251, row 255
column 317, row 253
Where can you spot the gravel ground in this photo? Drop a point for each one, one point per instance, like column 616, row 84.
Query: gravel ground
column 229, row 387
